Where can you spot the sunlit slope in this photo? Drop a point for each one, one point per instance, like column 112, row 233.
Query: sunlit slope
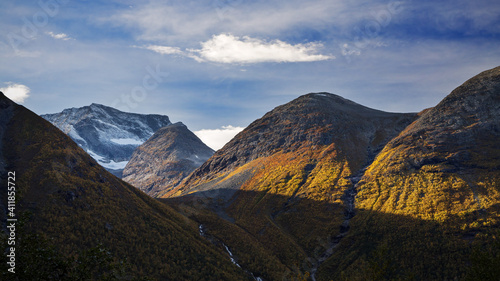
column 447, row 163
column 283, row 179
column 431, row 198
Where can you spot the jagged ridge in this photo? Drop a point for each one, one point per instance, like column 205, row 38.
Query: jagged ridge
column 110, row 136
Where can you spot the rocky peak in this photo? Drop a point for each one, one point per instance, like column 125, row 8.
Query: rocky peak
column 110, row 136
column 475, row 101
column 165, row 159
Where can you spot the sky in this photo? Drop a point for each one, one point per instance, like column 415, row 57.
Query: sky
column 218, row 65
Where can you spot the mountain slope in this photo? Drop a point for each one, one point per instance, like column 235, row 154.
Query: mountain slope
column 110, row 136
column 434, row 191
column 312, row 122
column 285, row 179
column 76, row 204
column 165, row 159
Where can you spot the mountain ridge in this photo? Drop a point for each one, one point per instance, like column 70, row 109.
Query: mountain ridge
column 266, row 179
column 359, row 181
column 319, row 188
column 291, row 137
column 109, row 135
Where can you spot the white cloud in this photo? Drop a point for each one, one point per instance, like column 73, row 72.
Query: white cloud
column 226, row 48
column 164, row 50
column 217, row 138
column 16, row 92
column 60, row 36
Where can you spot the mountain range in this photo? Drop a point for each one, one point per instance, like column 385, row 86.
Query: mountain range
column 69, row 207
column 343, row 190
column 320, row 188
column 108, row 135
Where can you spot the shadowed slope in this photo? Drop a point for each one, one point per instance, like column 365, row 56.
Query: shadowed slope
column 77, row 204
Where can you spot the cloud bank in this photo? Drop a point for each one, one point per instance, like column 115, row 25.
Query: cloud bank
column 217, row 138
column 16, row 92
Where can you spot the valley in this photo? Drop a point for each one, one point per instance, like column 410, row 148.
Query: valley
column 319, row 188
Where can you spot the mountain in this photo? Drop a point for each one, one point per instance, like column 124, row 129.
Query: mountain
column 439, row 183
column 285, row 180
column 110, row 136
column 306, row 125
column 331, row 189
column 68, row 207
column 165, row 159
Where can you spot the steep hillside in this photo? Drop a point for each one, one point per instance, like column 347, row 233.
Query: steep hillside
column 110, row 136
column 312, row 122
column 74, row 204
column 286, row 178
column 434, row 191
column 165, row 159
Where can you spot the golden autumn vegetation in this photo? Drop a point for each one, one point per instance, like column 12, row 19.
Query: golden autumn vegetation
column 427, row 207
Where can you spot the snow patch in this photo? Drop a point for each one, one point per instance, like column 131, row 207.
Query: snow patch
column 108, row 164
column 114, row 165
column 95, row 155
column 74, row 134
column 127, row 141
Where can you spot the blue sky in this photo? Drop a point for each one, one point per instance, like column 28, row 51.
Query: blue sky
column 226, row 63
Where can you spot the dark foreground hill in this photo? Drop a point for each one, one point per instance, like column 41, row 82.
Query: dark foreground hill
column 72, row 208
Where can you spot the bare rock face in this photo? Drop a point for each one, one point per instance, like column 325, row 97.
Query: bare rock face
column 462, row 129
column 108, row 135
column 165, row 159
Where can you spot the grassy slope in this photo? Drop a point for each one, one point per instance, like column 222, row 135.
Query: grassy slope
column 433, row 194
column 291, row 168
